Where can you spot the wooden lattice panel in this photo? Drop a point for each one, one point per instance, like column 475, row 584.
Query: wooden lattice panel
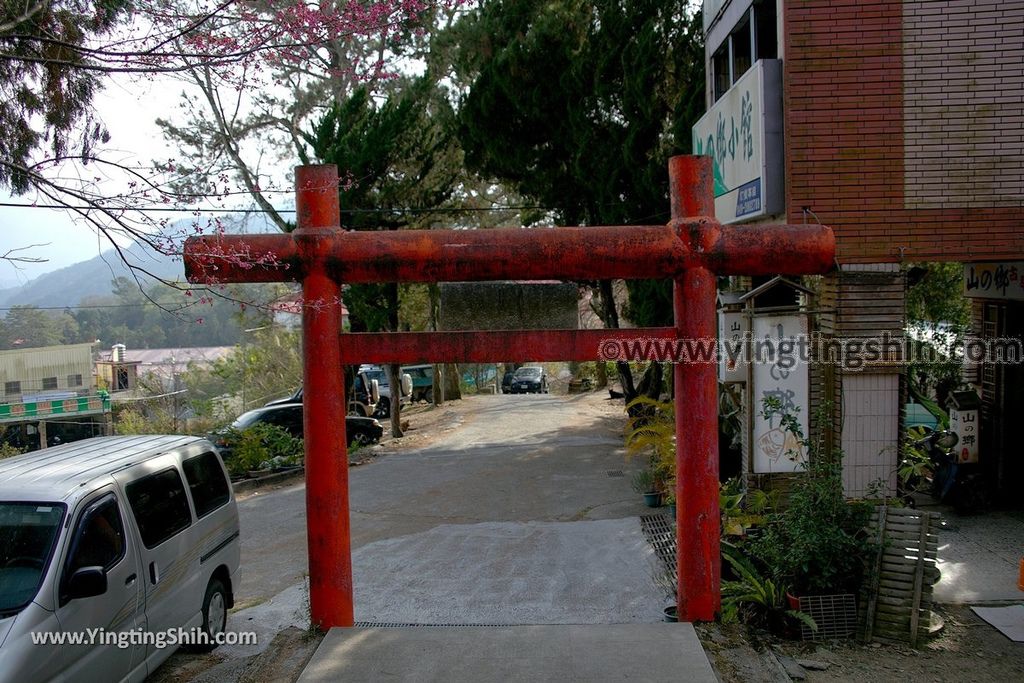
column 897, row 596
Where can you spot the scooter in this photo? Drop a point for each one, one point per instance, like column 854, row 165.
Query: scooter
column 954, row 483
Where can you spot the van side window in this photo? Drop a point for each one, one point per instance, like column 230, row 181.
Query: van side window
column 99, row 538
column 160, row 506
column 206, row 482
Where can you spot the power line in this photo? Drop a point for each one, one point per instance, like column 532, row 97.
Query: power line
column 167, row 209
column 61, row 308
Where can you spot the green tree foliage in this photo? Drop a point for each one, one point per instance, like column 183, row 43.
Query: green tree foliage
column 579, row 104
column 400, row 159
column 161, row 317
column 396, row 156
column 935, row 295
column 266, row 365
column 29, row 327
column 46, row 87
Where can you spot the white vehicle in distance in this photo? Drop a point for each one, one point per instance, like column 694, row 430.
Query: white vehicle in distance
column 118, row 542
column 377, row 373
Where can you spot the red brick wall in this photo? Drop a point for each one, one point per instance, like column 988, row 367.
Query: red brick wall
column 845, row 140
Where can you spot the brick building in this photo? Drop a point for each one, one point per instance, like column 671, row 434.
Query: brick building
column 900, row 124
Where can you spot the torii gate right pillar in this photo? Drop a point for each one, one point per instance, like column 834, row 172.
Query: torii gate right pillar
column 698, row 572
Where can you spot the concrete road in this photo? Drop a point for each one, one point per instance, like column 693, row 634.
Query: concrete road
column 540, row 458
column 522, row 516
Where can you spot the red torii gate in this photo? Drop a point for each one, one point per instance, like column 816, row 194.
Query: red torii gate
column 692, row 249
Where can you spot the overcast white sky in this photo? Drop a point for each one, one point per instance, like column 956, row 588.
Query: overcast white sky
column 128, row 107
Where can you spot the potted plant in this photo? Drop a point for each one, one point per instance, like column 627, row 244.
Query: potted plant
column 645, row 483
column 652, row 432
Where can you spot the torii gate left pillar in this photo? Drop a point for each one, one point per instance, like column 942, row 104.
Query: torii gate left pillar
column 692, row 250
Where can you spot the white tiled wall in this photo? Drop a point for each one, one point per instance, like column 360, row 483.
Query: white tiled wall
column 870, row 431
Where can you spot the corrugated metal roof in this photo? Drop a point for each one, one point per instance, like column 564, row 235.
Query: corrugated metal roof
column 55, row 473
column 47, row 350
column 181, row 356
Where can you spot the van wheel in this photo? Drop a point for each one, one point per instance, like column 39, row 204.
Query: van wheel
column 215, row 614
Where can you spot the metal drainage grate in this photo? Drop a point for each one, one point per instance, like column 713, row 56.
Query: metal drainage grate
column 395, row 624
column 834, row 615
column 615, row 473
column 661, row 534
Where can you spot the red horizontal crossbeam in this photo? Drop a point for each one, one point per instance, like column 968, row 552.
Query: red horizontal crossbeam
column 500, row 346
column 692, row 249
column 565, row 253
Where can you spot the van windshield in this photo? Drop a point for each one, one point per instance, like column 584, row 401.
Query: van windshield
column 27, row 535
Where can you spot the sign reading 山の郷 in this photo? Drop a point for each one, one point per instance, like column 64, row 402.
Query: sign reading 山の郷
column 1001, row 280
column 742, row 132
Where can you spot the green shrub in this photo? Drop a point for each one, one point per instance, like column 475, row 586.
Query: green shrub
column 8, row 450
column 260, row 447
column 915, row 462
column 643, row 481
column 753, row 597
column 818, row 543
column 653, row 433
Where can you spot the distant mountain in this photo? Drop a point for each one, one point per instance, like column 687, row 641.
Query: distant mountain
column 68, row 286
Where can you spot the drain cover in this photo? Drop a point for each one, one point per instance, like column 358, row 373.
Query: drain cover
column 615, row 473
column 395, row 624
column 661, row 534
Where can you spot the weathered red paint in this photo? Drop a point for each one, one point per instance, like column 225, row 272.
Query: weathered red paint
column 627, row 252
column 698, row 572
column 495, row 347
column 692, row 250
column 327, row 510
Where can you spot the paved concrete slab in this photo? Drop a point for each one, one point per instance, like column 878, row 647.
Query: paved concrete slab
column 592, row 653
column 979, row 557
column 592, row 572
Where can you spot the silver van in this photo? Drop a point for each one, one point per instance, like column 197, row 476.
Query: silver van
column 113, row 551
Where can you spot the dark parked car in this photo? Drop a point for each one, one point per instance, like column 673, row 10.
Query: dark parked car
column 363, row 396
column 360, row 430
column 506, row 382
column 530, row 379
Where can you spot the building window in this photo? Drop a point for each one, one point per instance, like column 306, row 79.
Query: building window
column 720, row 70
column 49, row 383
column 766, row 39
column 74, row 380
column 122, row 380
column 754, row 37
column 12, row 388
column 742, row 49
